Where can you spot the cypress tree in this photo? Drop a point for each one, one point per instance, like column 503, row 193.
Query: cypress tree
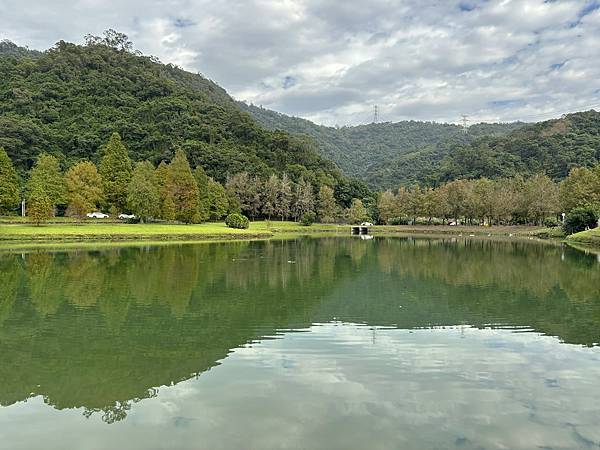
column 182, row 189
column 142, row 194
column 84, row 188
column 115, row 170
column 39, row 204
column 46, row 176
column 218, row 202
column 203, row 195
column 9, row 184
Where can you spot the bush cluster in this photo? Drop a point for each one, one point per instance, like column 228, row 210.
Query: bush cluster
column 398, row 221
column 237, row 221
column 580, row 219
column 308, row 219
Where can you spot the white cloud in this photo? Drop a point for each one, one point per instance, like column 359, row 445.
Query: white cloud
column 420, row 59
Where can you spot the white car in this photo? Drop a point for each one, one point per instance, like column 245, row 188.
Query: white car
column 126, row 216
column 366, row 224
column 97, row 215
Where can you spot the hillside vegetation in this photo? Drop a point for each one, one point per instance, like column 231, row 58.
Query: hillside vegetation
column 69, row 99
column 389, row 154
column 382, row 154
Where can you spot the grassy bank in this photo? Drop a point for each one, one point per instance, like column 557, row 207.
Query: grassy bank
column 86, row 231
column 590, row 237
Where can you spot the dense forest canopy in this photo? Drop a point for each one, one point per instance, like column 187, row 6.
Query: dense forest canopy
column 69, row 99
column 390, row 154
column 376, row 152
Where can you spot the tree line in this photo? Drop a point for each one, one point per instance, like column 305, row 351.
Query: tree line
column 517, row 200
column 171, row 191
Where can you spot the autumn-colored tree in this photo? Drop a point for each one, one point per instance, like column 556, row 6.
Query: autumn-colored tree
column 143, row 197
column 9, row 184
column 387, row 206
column 84, row 188
column 542, row 196
column 115, row 170
column 326, row 205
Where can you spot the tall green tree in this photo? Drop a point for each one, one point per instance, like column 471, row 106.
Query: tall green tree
column 9, row 184
column 47, row 176
column 166, row 207
column 183, row 189
column 115, row 170
column 84, row 188
column 357, row 212
column 218, row 202
column 143, row 197
column 580, row 189
column 39, row 205
column 203, row 195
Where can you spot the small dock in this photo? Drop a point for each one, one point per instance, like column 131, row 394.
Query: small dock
column 356, row 229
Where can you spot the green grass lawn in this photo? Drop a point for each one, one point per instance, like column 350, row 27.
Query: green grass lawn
column 590, row 237
column 102, row 231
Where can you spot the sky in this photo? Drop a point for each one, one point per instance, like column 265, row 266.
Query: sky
column 333, row 61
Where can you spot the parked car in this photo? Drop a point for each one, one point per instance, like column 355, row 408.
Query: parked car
column 97, row 215
column 366, row 224
column 126, row 216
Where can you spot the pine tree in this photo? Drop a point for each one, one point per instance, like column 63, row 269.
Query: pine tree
column 217, row 200
column 39, row 204
column 327, row 206
column 9, row 184
column 47, row 177
column 284, row 198
column 84, row 188
column 203, row 194
column 182, row 189
column 115, row 170
column 304, row 199
column 142, row 193
column 270, row 193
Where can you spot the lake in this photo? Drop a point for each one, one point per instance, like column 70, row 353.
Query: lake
column 316, row 343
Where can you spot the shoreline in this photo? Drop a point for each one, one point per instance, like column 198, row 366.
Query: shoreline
column 74, row 234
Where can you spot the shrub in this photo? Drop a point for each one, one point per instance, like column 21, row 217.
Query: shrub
column 579, row 219
column 308, row 219
column 237, row 221
column 550, row 222
column 398, row 221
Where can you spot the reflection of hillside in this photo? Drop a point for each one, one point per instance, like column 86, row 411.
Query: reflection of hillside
column 100, row 330
column 423, row 283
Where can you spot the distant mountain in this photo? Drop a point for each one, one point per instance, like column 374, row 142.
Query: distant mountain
column 383, row 154
column 553, row 147
column 69, row 99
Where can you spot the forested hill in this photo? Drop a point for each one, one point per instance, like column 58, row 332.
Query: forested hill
column 553, row 147
column 369, row 151
column 68, row 100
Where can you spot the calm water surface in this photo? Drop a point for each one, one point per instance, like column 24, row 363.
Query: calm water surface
column 313, row 343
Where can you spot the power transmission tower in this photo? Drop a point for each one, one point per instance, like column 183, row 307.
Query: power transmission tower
column 465, row 122
column 375, row 114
